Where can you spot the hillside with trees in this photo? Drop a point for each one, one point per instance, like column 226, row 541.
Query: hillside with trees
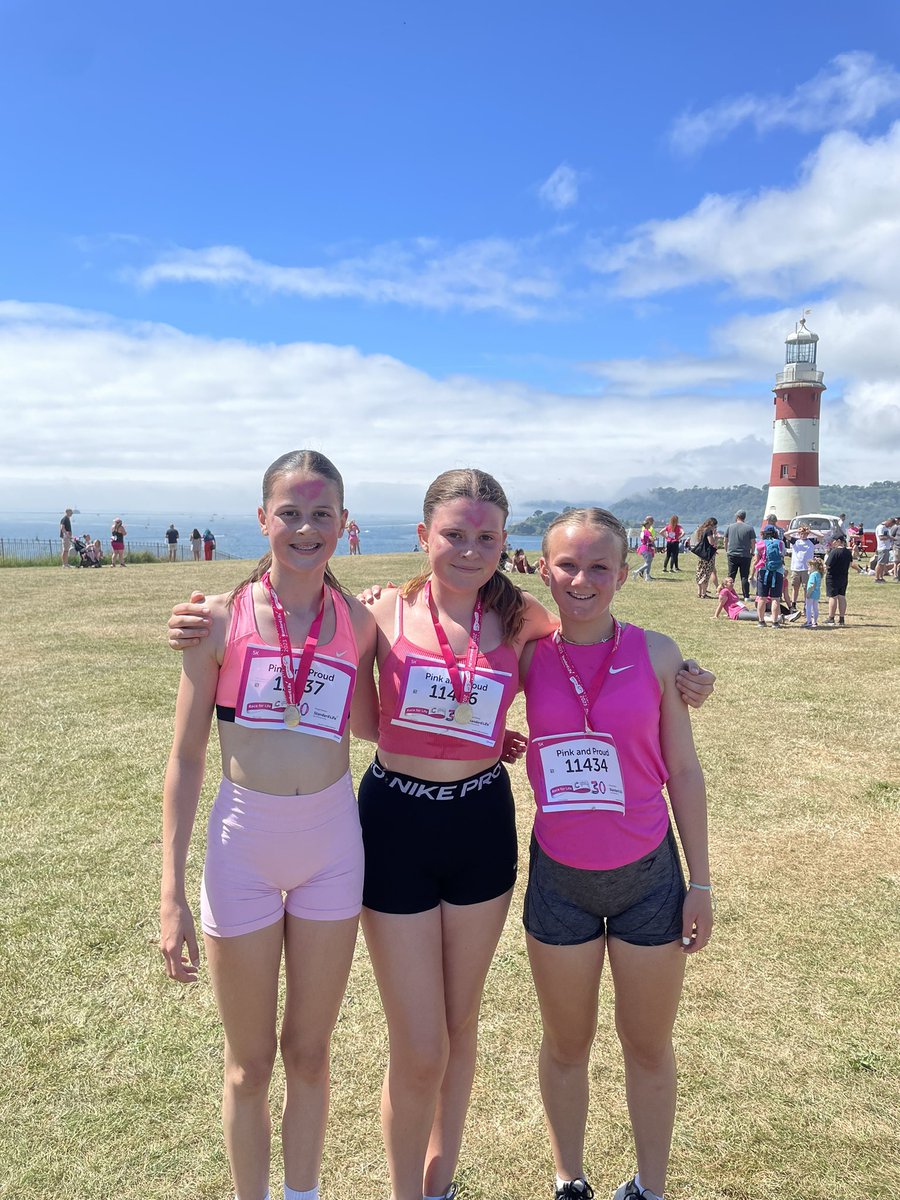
column 869, row 504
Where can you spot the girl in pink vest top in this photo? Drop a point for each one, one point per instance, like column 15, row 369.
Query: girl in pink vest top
column 608, row 731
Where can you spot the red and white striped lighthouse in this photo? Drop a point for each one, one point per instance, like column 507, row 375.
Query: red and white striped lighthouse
column 794, row 479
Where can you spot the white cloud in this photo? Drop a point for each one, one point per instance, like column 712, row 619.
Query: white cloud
column 560, row 190
column 488, row 274
column 840, row 225
column 112, row 413
column 848, row 93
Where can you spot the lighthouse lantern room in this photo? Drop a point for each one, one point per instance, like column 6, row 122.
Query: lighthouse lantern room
column 794, row 479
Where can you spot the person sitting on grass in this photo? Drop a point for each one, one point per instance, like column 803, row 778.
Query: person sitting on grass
column 731, row 604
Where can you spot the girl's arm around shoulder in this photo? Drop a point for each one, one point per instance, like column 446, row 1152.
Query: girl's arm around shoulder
column 181, row 791
column 364, row 707
column 686, row 788
column 538, row 622
column 694, row 683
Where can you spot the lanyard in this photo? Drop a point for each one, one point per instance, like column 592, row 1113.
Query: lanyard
column 293, row 681
column 462, row 685
column 587, row 696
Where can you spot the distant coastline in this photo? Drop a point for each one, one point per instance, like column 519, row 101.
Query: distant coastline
column 870, row 504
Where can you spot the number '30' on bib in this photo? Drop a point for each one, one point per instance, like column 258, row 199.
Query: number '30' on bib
column 324, row 705
column 580, row 771
column 427, row 701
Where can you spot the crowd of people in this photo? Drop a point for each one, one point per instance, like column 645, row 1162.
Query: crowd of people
column 778, row 570
column 429, row 858
column 89, row 553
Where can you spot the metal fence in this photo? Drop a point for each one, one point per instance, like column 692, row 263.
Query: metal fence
column 28, row 549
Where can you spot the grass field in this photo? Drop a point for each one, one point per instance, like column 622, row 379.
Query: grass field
column 788, row 1036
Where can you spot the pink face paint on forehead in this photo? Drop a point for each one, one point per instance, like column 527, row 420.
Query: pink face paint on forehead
column 307, row 488
column 585, row 541
column 477, row 514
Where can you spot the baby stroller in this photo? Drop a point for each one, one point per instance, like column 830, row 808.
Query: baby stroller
column 87, row 555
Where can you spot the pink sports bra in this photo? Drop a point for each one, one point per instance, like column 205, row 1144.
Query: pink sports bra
column 243, row 633
column 417, row 705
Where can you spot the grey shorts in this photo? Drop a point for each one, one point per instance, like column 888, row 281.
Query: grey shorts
column 639, row 903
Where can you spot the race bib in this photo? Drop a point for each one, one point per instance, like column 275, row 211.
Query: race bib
column 324, row 704
column 427, row 702
column 580, row 771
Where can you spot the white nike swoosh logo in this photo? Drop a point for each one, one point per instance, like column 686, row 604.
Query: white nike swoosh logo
column 341, row 653
column 617, row 670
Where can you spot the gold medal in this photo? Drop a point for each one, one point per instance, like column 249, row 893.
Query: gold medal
column 292, row 716
column 463, row 714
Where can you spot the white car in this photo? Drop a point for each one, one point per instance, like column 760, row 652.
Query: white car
column 822, row 529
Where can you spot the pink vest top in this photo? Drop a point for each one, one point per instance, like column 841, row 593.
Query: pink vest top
column 607, row 808
column 394, row 682
column 244, row 632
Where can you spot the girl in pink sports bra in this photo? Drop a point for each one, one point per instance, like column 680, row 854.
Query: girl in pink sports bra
column 286, row 668
column 608, row 731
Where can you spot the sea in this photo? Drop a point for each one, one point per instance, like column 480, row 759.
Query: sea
column 236, row 536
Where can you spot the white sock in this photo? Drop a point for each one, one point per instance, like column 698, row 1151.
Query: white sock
column 645, row 1192
column 292, row 1193
column 562, row 1182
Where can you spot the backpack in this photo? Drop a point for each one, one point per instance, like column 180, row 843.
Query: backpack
column 774, row 556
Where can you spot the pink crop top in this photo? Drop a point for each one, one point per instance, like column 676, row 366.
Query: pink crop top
column 599, row 802
column 417, row 703
column 249, row 689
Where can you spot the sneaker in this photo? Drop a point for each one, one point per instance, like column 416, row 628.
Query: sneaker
column 451, row 1191
column 794, row 616
column 840, row 620
column 761, row 624
column 829, row 621
column 806, row 625
column 575, row 1189
column 629, row 1191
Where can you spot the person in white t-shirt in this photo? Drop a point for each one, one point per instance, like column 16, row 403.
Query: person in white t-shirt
column 884, row 545
column 802, row 552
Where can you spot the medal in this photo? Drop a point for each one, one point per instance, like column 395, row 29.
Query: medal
column 293, row 681
column 461, row 682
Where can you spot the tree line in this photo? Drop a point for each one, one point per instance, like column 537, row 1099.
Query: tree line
column 870, row 504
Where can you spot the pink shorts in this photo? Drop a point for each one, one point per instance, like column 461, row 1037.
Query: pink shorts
column 266, row 855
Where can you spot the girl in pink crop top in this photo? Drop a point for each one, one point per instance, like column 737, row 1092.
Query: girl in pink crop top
column 283, row 871
column 607, row 731
column 241, row 697
column 411, row 677
column 438, row 816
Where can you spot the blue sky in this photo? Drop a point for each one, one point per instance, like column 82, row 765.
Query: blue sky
column 562, row 242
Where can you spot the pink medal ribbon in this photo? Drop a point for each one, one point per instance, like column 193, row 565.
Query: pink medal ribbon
column 462, row 683
column 293, row 681
column 587, row 696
